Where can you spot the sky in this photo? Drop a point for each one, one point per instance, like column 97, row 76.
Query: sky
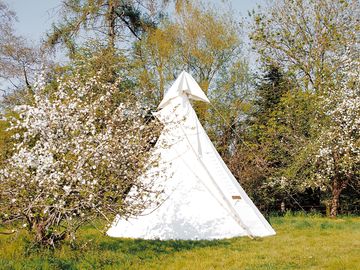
column 36, row 16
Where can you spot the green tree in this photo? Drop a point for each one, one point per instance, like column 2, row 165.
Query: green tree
column 269, row 93
column 311, row 40
column 305, row 36
column 276, row 129
column 116, row 20
column 201, row 40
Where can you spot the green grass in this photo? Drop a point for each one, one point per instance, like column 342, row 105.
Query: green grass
column 302, row 242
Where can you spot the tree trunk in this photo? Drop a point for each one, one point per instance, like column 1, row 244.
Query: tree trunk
column 47, row 238
column 39, row 229
column 335, row 201
column 111, row 25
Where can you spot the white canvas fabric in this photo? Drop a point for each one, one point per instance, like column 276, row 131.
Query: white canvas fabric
column 185, row 83
column 201, row 198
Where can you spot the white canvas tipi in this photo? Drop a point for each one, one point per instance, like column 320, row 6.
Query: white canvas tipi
column 203, row 200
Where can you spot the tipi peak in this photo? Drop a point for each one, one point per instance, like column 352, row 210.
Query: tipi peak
column 184, row 83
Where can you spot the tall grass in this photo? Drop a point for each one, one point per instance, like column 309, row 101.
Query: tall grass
column 302, row 242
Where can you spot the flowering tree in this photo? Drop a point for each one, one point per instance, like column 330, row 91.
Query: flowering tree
column 331, row 161
column 315, row 42
column 338, row 157
column 78, row 151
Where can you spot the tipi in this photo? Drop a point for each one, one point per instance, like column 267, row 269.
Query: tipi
column 203, row 199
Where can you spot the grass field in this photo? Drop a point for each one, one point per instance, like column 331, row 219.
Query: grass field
column 302, row 242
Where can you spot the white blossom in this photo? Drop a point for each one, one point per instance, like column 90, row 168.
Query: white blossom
column 339, row 150
column 78, row 151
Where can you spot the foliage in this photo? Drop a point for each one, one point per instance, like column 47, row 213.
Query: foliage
column 197, row 39
column 338, row 157
column 79, row 148
column 230, row 105
column 302, row 242
column 269, row 91
column 306, row 38
column 275, row 130
column 312, row 42
column 5, row 140
column 116, row 20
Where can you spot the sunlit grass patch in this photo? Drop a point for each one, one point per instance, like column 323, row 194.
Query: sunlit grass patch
column 302, row 242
